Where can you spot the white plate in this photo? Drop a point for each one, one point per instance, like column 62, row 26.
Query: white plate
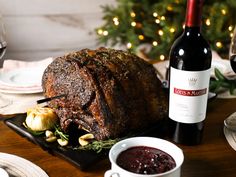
column 21, row 80
column 22, row 77
column 20, row 91
column 18, row 166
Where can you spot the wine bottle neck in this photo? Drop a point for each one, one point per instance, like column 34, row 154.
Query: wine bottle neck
column 194, row 13
column 196, row 30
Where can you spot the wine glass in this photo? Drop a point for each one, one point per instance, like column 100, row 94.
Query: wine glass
column 3, row 44
column 232, row 51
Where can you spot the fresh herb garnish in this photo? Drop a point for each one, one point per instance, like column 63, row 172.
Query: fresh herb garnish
column 59, row 132
column 220, row 81
column 98, row 146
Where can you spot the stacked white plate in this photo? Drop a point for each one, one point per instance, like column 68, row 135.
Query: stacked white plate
column 22, row 77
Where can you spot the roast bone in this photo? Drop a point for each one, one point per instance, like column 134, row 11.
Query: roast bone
column 108, row 92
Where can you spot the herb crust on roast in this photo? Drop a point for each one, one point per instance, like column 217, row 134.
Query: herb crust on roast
column 108, row 92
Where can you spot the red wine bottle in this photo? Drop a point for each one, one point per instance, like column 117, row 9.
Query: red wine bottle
column 190, row 63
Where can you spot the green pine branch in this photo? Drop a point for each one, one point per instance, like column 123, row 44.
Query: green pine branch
column 174, row 13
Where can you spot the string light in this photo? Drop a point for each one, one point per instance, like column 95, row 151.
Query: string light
column 141, row 37
column 133, row 24
column 105, row 33
column 129, row 45
column 162, row 57
column 157, row 21
column 155, row 14
column 132, row 14
column 100, row 31
column 116, row 21
column 230, row 28
column 160, row 32
column 208, row 22
column 172, row 30
column 223, row 11
column 154, row 43
column 169, row 8
column 219, row 44
column 163, row 17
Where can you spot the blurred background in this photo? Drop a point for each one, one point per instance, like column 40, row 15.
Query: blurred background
column 36, row 29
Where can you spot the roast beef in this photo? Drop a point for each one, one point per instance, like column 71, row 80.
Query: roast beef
column 108, row 92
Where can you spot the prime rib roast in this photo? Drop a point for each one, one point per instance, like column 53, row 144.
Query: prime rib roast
column 108, row 92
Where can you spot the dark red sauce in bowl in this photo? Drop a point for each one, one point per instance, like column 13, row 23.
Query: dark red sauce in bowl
column 145, row 160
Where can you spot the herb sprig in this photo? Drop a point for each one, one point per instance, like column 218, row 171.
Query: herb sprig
column 220, row 81
column 59, row 132
column 98, row 146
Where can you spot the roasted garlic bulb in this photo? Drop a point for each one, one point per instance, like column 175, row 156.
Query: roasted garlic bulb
column 41, row 118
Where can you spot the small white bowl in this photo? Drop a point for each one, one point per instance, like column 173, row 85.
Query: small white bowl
column 158, row 143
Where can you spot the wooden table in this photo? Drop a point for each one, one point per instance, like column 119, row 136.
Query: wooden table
column 213, row 158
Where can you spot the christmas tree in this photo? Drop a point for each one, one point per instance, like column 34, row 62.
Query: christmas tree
column 157, row 23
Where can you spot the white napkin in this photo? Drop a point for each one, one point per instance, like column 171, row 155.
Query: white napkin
column 10, row 64
column 21, row 98
column 19, row 103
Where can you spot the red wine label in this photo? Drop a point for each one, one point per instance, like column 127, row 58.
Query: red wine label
column 188, row 95
column 190, row 92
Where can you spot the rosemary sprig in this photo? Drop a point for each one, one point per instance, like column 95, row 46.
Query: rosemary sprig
column 98, row 146
column 59, row 132
column 220, row 82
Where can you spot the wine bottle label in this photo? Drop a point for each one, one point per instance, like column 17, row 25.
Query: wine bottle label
column 188, row 95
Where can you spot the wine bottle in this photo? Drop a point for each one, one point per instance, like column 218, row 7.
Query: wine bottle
column 190, row 63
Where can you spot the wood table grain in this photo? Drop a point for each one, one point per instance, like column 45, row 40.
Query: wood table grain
column 213, row 158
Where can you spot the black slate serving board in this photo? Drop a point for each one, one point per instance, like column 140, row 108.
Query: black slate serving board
column 82, row 159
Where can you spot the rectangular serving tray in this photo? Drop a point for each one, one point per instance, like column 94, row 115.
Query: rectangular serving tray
column 80, row 158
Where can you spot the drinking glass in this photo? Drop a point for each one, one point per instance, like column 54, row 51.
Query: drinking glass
column 232, row 51
column 3, row 44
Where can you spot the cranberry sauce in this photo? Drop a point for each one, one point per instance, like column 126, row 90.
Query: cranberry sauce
column 145, row 160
